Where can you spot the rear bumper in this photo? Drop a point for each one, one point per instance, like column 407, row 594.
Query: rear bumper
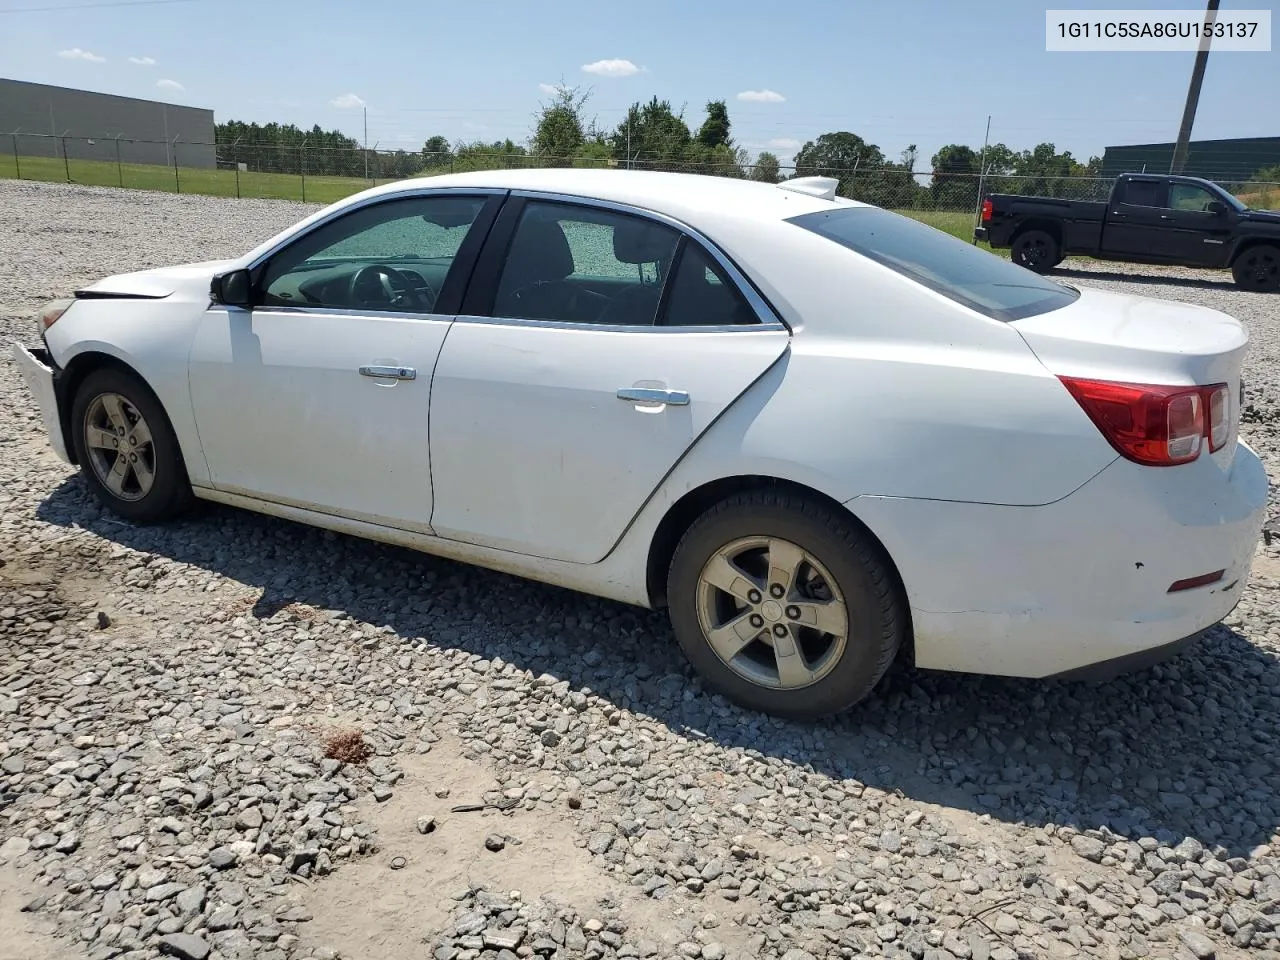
column 1141, row 660
column 1081, row 583
column 38, row 372
column 980, row 233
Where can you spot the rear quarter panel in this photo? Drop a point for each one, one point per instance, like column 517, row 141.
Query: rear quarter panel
column 890, row 389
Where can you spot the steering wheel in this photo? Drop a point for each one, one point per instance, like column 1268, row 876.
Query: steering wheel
column 395, row 289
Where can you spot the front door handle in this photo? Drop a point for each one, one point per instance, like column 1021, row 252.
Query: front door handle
column 389, row 373
column 677, row 398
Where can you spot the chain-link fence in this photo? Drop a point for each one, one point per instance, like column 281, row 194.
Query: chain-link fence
column 322, row 175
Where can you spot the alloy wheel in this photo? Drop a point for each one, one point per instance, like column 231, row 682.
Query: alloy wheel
column 120, row 446
column 772, row 612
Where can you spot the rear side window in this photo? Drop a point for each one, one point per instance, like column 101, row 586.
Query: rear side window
column 1143, row 193
column 699, row 294
column 991, row 285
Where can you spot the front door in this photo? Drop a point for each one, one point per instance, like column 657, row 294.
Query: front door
column 319, row 395
column 1198, row 235
column 610, row 344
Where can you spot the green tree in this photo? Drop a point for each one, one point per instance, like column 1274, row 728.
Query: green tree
column 714, row 131
column 498, row 155
column 657, row 137
column 766, row 168
column 955, row 177
column 436, row 152
column 861, row 168
column 560, row 132
column 836, row 155
column 285, row 148
column 593, row 154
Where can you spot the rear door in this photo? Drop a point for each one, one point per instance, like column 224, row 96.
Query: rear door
column 596, row 346
column 1134, row 224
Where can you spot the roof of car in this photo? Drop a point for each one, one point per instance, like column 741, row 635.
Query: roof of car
column 678, row 195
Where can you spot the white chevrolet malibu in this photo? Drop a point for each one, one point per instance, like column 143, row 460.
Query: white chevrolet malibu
column 820, row 433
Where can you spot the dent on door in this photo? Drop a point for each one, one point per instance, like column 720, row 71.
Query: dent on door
column 548, row 441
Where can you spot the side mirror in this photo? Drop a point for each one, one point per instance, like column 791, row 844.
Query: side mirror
column 1216, row 207
column 233, row 289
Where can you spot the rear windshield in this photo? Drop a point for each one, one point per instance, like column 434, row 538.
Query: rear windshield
column 961, row 271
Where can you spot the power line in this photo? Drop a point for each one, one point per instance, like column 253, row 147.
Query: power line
column 94, row 6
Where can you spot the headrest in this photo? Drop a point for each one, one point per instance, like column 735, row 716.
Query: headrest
column 637, row 241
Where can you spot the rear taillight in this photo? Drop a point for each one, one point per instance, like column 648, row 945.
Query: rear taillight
column 1219, row 406
column 1152, row 425
column 986, row 209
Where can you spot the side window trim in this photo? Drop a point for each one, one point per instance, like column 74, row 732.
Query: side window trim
column 460, row 270
column 478, row 304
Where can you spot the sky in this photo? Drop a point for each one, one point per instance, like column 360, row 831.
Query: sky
column 896, row 72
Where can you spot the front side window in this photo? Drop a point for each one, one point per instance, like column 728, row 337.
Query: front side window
column 580, row 264
column 387, row 257
column 1190, row 198
column 991, row 285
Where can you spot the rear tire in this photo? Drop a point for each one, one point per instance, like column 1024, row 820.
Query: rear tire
column 1258, row 268
column 783, row 605
column 1036, row 250
column 127, row 449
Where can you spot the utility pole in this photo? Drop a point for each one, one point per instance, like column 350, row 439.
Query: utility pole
column 366, row 143
column 1193, row 93
column 982, row 176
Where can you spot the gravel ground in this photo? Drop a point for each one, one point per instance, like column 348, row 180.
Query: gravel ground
column 172, row 775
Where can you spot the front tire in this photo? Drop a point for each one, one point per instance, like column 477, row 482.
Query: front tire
column 1036, row 250
column 783, row 606
column 126, row 448
column 1258, row 268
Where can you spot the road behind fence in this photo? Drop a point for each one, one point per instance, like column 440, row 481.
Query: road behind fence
column 322, row 175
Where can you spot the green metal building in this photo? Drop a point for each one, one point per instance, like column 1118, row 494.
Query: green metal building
column 1220, row 160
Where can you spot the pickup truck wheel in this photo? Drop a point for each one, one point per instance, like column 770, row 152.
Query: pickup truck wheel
column 1036, row 250
column 1258, row 268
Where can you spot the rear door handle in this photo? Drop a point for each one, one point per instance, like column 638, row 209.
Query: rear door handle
column 677, row 398
column 389, row 373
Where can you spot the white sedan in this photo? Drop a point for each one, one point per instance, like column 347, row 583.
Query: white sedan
column 822, row 434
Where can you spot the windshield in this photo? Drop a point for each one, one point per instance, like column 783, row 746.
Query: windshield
column 991, row 285
column 1235, row 201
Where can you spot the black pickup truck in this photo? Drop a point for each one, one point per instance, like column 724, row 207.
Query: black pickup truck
column 1183, row 221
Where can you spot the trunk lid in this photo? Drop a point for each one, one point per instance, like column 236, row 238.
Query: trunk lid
column 1142, row 340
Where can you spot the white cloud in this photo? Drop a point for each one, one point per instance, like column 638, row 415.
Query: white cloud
column 348, row 101
column 761, row 96
column 143, row 61
column 169, row 85
column 612, row 68
column 783, row 143
column 550, row 89
column 75, row 53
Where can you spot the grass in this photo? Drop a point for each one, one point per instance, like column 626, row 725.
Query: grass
column 215, row 183
column 286, row 186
